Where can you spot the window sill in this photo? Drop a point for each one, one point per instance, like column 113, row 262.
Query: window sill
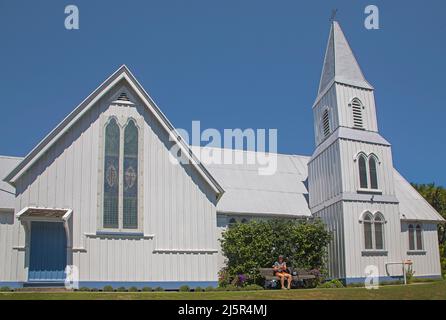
column 416, row 252
column 374, row 252
column 372, row 191
column 119, row 234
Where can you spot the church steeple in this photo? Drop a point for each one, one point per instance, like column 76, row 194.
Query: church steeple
column 340, row 64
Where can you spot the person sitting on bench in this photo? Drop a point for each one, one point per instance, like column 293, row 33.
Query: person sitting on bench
column 281, row 271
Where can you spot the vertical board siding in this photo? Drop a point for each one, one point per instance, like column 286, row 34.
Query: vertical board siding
column 333, row 218
column 178, row 206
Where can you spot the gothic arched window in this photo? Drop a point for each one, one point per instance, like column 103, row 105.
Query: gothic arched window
column 357, row 107
column 378, row 224
column 130, row 179
column 373, row 231
column 368, row 234
column 373, row 173
column 111, row 175
column 362, row 172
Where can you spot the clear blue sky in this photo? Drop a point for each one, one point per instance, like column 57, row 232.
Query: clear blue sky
column 230, row 64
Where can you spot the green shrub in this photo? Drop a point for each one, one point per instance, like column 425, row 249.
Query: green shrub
column 335, row 283
column 198, row 289
column 159, row 289
column 94, row 289
column 147, row 289
column 209, row 289
column 133, row 289
column 231, row 287
column 5, row 289
column 108, row 289
column 252, row 287
column 84, row 289
column 184, row 288
column 257, row 244
column 122, row 289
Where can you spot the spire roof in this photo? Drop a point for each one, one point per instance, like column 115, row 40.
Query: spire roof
column 340, row 64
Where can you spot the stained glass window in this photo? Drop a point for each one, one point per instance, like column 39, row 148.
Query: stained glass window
column 130, row 179
column 111, row 176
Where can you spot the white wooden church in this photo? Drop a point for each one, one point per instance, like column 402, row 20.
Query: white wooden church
column 99, row 193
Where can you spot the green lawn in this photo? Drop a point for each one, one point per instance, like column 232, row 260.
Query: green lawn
column 434, row 290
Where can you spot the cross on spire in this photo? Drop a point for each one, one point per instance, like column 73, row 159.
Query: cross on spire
column 333, row 15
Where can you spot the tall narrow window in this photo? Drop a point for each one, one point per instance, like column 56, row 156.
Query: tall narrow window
column 326, row 123
column 411, row 237
column 379, row 232
column 362, row 172
column 419, row 234
column 373, row 173
column 368, row 235
column 130, row 179
column 358, row 122
column 111, row 176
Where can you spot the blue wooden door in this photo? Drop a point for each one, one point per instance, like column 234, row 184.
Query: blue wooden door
column 48, row 257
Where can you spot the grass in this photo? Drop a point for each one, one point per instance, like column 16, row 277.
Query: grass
column 418, row 291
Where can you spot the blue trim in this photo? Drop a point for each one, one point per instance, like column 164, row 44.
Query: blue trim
column 11, row 284
column 167, row 285
column 348, row 281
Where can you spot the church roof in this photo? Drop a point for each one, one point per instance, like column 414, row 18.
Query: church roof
column 7, row 192
column 340, row 64
column 412, row 205
column 247, row 192
column 285, row 193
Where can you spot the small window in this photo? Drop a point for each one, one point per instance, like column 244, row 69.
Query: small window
column 411, row 237
column 362, row 172
column 357, row 107
column 373, row 173
column 326, row 123
column 379, row 232
column 419, row 236
column 232, row 222
column 368, row 235
column 244, row 220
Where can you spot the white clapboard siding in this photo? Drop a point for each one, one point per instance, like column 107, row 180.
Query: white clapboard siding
column 178, row 206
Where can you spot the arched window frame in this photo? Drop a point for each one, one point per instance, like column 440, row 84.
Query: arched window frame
column 357, row 113
column 367, row 187
column 105, row 120
column 371, row 222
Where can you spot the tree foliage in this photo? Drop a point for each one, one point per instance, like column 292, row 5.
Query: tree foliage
column 257, row 244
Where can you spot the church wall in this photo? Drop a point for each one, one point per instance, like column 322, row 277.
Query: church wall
column 350, row 172
column 324, row 176
column 333, row 218
column 357, row 258
column 426, row 262
column 327, row 101
column 179, row 215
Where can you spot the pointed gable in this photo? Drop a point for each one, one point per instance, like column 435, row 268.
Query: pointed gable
column 340, row 64
column 122, row 74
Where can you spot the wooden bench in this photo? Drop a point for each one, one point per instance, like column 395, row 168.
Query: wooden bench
column 300, row 276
